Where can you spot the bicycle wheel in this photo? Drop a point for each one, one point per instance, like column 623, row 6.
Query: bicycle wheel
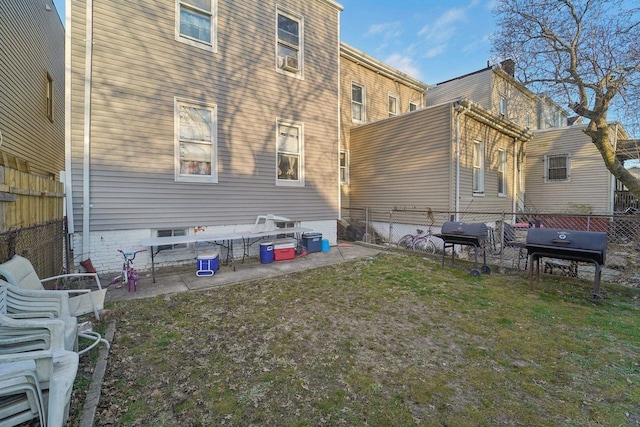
column 406, row 242
column 425, row 245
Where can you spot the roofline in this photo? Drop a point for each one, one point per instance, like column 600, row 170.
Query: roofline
column 464, row 75
column 334, row 4
column 380, row 67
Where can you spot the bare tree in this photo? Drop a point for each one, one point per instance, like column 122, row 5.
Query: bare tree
column 584, row 52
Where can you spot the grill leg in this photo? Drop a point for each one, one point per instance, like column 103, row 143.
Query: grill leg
column 596, row 280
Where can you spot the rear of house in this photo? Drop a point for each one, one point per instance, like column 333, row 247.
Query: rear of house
column 200, row 115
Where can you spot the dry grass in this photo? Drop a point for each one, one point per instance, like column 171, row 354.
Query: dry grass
column 391, row 341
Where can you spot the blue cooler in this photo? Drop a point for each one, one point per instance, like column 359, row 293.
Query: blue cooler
column 266, row 253
column 312, row 241
column 208, row 264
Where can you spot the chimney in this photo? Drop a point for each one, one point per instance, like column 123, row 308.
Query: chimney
column 509, row 67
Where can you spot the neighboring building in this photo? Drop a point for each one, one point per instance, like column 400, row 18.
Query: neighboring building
column 200, row 114
column 370, row 91
column 451, row 156
column 566, row 173
column 32, row 112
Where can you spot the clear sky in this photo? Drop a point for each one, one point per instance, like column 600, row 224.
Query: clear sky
column 431, row 40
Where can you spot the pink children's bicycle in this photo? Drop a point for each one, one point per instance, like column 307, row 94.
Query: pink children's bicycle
column 128, row 275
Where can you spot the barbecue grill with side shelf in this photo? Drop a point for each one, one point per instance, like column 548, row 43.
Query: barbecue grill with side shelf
column 571, row 245
column 466, row 234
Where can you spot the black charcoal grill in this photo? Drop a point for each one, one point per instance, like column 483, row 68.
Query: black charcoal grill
column 466, row 234
column 571, row 245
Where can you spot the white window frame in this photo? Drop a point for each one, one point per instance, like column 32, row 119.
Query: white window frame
column 50, row 97
column 344, row 167
column 397, row 99
column 362, row 118
column 290, row 153
column 280, row 60
column 415, row 106
column 502, row 172
column 211, row 45
column 477, row 185
column 212, row 177
column 547, row 167
column 172, row 232
column 503, row 106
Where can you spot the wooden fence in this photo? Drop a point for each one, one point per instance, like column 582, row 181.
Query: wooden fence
column 27, row 200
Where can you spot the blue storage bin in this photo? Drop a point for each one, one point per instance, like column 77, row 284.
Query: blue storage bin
column 312, row 241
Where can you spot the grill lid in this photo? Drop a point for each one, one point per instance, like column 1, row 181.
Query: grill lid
column 477, row 230
column 568, row 239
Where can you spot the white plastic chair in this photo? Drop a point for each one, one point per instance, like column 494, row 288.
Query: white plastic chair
column 20, row 395
column 19, row 271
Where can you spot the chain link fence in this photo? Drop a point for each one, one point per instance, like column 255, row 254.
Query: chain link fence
column 43, row 244
column 507, row 234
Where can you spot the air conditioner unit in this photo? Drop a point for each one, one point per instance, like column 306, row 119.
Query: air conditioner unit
column 290, row 64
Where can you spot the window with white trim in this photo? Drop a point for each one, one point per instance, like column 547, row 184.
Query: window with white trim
column 289, row 146
column 503, row 106
column 393, row 105
column 344, row 167
column 289, row 43
column 50, row 97
column 196, row 23
column 557, row 167
column 357, row 103
column 478, row 167
column 502, row 172
column 413, row 106
column 179, row 232
column 195, row 141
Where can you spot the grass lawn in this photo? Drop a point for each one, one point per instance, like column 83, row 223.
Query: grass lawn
column 390, row 341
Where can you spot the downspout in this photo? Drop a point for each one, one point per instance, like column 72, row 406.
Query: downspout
column 68, row 188
column 340, row 124
column 516, row 183
column 86, row 160
column 460, row 110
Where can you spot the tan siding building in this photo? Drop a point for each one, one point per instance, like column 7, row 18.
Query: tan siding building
column 32, row 112
column 202, row 125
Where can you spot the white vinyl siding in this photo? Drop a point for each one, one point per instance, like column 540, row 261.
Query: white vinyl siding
column 557, row 167
column 289, row 147
column 393, row 104
column 478, row 168
column 357, row 103
column 195, row 142
column 196, row 23
column 289, row 43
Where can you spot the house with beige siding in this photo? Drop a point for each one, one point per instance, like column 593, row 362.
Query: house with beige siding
column 565, row 172
column 450, row 157
column 32, row 109
column 200, row 115
column 370, row 90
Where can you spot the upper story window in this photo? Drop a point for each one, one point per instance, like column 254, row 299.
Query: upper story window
column 393, row 105
column 357, row 103
column 503, row 106
column 557, row 167
column 502, row 172
column 413, row 106
column 195, row 142
column 478, row 167
column 289, row 147
column 344, row 167
column 49, row 97
column 289, row 45
column 527, row 120
column 196, row 23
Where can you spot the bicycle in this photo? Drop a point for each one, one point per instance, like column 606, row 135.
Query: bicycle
column 421, row 241
column 128, row 275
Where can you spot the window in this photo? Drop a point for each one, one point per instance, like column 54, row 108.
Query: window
column 413, row 106
column 502, row 172
column 195, row 142
column 196, row 23
column 357, row 102
column 557, row 167
column 289, row 153
column 172, row 233
column 527, row 121
column 344, row 167
column 49, row 97
column 503, row 106
column 289, row 44
column 393, row 105
column 478, row 167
